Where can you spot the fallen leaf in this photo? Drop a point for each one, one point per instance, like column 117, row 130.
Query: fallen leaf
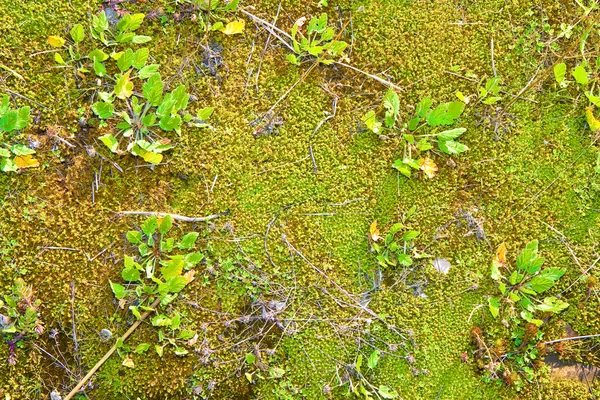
column 189, row 276
column 441, row 265
column 500, row 258
column 374, row 232
column 234, row 27
column 591, row 120
column 428, row 167
column 128, row 362
column 56, row 41
column 26, row 161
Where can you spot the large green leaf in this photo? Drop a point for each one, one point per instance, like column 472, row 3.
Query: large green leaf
column 140, row 57
column 124, row 86
column 169, row 123
column 540, row 284
column 445, row 114
column 126, row 60
column 173, row 267
column 77, row 33
column 153, row 89
column 149, row 226
column 188, row 241
column 103, row 109
column 165, row 224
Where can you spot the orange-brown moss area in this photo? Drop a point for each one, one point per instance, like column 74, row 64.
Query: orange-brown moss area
column 538, row 173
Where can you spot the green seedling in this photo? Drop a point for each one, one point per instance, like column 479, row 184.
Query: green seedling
column 19, row 318
column 14, row 156
column 318, row 41
column 161, row 270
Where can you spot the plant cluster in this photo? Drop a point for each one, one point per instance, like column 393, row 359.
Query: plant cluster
column 416, row 146
column 160, row 270
column 19, row 318
column 14, row 156
column 137, row 105
column 318, row 41
column 393, row 250
column 523, row 313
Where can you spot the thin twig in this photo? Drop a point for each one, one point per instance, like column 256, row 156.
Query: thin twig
column 111, row 351
column 572, row 338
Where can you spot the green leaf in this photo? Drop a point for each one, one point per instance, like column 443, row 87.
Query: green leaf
column 98, row 54
column 110, row 141
column 130, row 274
column 8, row 165
column 553, row 274
column 553, row 305
column 446, row 113
column 387, row 392
column 414, row 123
column 169, row 123
column 373, row 359
column 451, row 134
column 495, row 274
column 165, row 224
column 391, row 102
column 140, row 57
column 99, row 68
column 186, row 334
column 188, row 241
column 181, row 97
column 103, row 109
column 100, row 22
column 130, row 22
column 125, row 61
column 192, row 259
column 77, row 33
column 528, row 255
column 150, row 225
column 410, row 235
column 405, row 260
column 173, row 267
column 452, row 147
column 423, row 107
column 580, row 75
column 250, row 358
column 148, row 71
column 140, row 39
column 124, row 86
column 540, row 284
column 370, row 120
column 494, row 306
column 153, row 89
column 560, row 71
column 4, row 105
column 21, row 150
column 142, row 348
column 402, row 168
column 118, row 290
column 204, row 113
column 8, row 123
column 4, row 153
column 176, row 284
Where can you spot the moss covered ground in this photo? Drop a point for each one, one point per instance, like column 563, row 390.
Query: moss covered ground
column 532, row 178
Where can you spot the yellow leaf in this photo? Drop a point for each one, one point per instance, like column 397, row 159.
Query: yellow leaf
column 56, row 41
column 591, row 120
column 234, row 27
column 374, row 232
column 500, row 258
column 428, row 167
column 26, row 161
column 128, row 362
column 189, row 276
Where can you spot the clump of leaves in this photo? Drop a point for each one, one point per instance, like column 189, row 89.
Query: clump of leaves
column 489, row 93
column 101, row 30
column 359, row 385
column 161, row 270
column 522, row 309
column 211, row 15
column 522, row 285
column 416, row 147
column 318, row 41
column 19, row 318
column 396, row 247
column 137, row 105
column 14, row 156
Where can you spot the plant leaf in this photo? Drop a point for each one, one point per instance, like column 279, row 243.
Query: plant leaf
column 165, row 224
column 494, row 306
column 77, row 33
column 234, row 27
column 103, row 109
column 56, row 41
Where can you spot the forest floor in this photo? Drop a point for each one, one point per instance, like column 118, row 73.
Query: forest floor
column 300, row 292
